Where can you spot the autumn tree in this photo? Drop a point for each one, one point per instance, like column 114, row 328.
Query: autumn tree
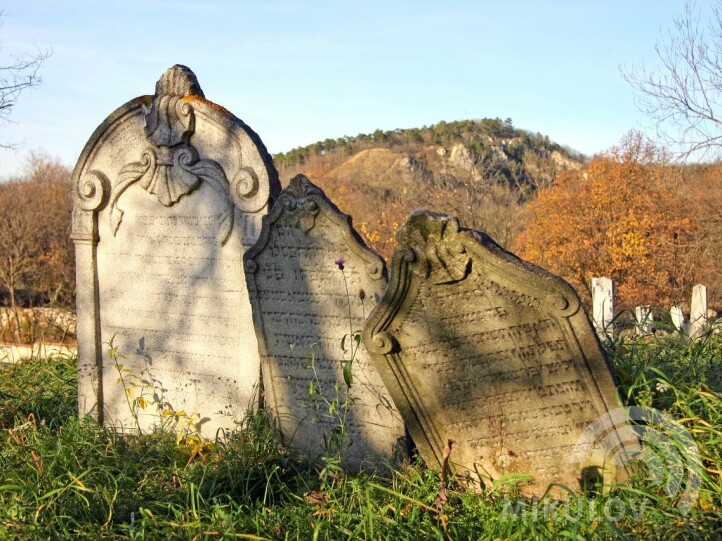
column 623, row 217
column 703, row 183
column 36, row 258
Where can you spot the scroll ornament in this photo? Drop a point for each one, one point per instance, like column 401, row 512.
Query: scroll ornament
column 171, row 167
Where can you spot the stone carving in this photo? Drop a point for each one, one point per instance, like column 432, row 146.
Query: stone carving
column 169, row 192
column 304, row 304
column 172, row 169
column 491, row 357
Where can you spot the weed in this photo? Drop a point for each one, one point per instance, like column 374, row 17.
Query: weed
column 67, row 478
column 329, row 407
column 143, row 391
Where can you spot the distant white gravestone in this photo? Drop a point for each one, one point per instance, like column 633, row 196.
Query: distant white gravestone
column 677, row 317
column 168, row 194
column 645, row 319
column 698, row 311
column 603, row 306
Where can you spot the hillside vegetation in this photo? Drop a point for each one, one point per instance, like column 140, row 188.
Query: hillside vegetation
column 480, row 170
column 629, row 213
column 653, row 226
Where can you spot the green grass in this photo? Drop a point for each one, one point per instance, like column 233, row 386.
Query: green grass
column 61, row 477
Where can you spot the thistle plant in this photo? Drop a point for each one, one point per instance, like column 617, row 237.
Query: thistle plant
column 353, row 336
column 330, row 409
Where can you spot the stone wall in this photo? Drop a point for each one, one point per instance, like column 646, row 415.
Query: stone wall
column 44, row 324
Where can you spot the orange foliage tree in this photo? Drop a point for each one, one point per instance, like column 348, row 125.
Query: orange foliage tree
column 704, row 182
column 377, row 214
column 624, row 217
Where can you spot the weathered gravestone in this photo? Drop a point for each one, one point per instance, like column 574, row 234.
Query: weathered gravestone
column 494, row 355
column 312, row 283
column 168, row 194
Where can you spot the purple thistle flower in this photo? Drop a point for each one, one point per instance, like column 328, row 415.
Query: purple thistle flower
column 339, row 262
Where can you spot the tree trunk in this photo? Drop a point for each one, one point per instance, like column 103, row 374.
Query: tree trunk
column 13, row 306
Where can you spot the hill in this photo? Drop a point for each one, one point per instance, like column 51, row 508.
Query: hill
column 480, row 170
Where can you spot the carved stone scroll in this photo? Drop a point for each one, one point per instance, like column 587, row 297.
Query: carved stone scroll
column 169, row 193
column 312, row 281
column 492, row 357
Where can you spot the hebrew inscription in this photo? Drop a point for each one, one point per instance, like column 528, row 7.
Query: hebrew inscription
column 491, row 354
column 312, row 283
column 169, row 193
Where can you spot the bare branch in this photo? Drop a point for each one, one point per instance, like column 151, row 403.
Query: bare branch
column 684, row 96
column 17, row 75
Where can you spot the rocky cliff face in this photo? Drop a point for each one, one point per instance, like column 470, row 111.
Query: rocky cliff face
column 481, row 171
column 384, row 167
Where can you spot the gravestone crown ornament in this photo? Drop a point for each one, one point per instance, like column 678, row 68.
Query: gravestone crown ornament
column 168, row 193
column 170, row 167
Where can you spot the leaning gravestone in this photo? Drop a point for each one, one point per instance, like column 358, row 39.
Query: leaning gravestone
column 491, row 358
column 168, row 194
column 312, row 283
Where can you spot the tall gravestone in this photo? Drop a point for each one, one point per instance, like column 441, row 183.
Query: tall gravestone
column 492, row 358
column 312, row 283
column 169, row 193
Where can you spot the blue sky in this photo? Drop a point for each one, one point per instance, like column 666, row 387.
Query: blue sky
column 297, row 72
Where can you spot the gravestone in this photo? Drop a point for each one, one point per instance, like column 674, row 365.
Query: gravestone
column 492, row 358
column 677, row 316
column 698, row 311
column 168, row 194
column 644, row 318
column 603, row 306
column 312, row 283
